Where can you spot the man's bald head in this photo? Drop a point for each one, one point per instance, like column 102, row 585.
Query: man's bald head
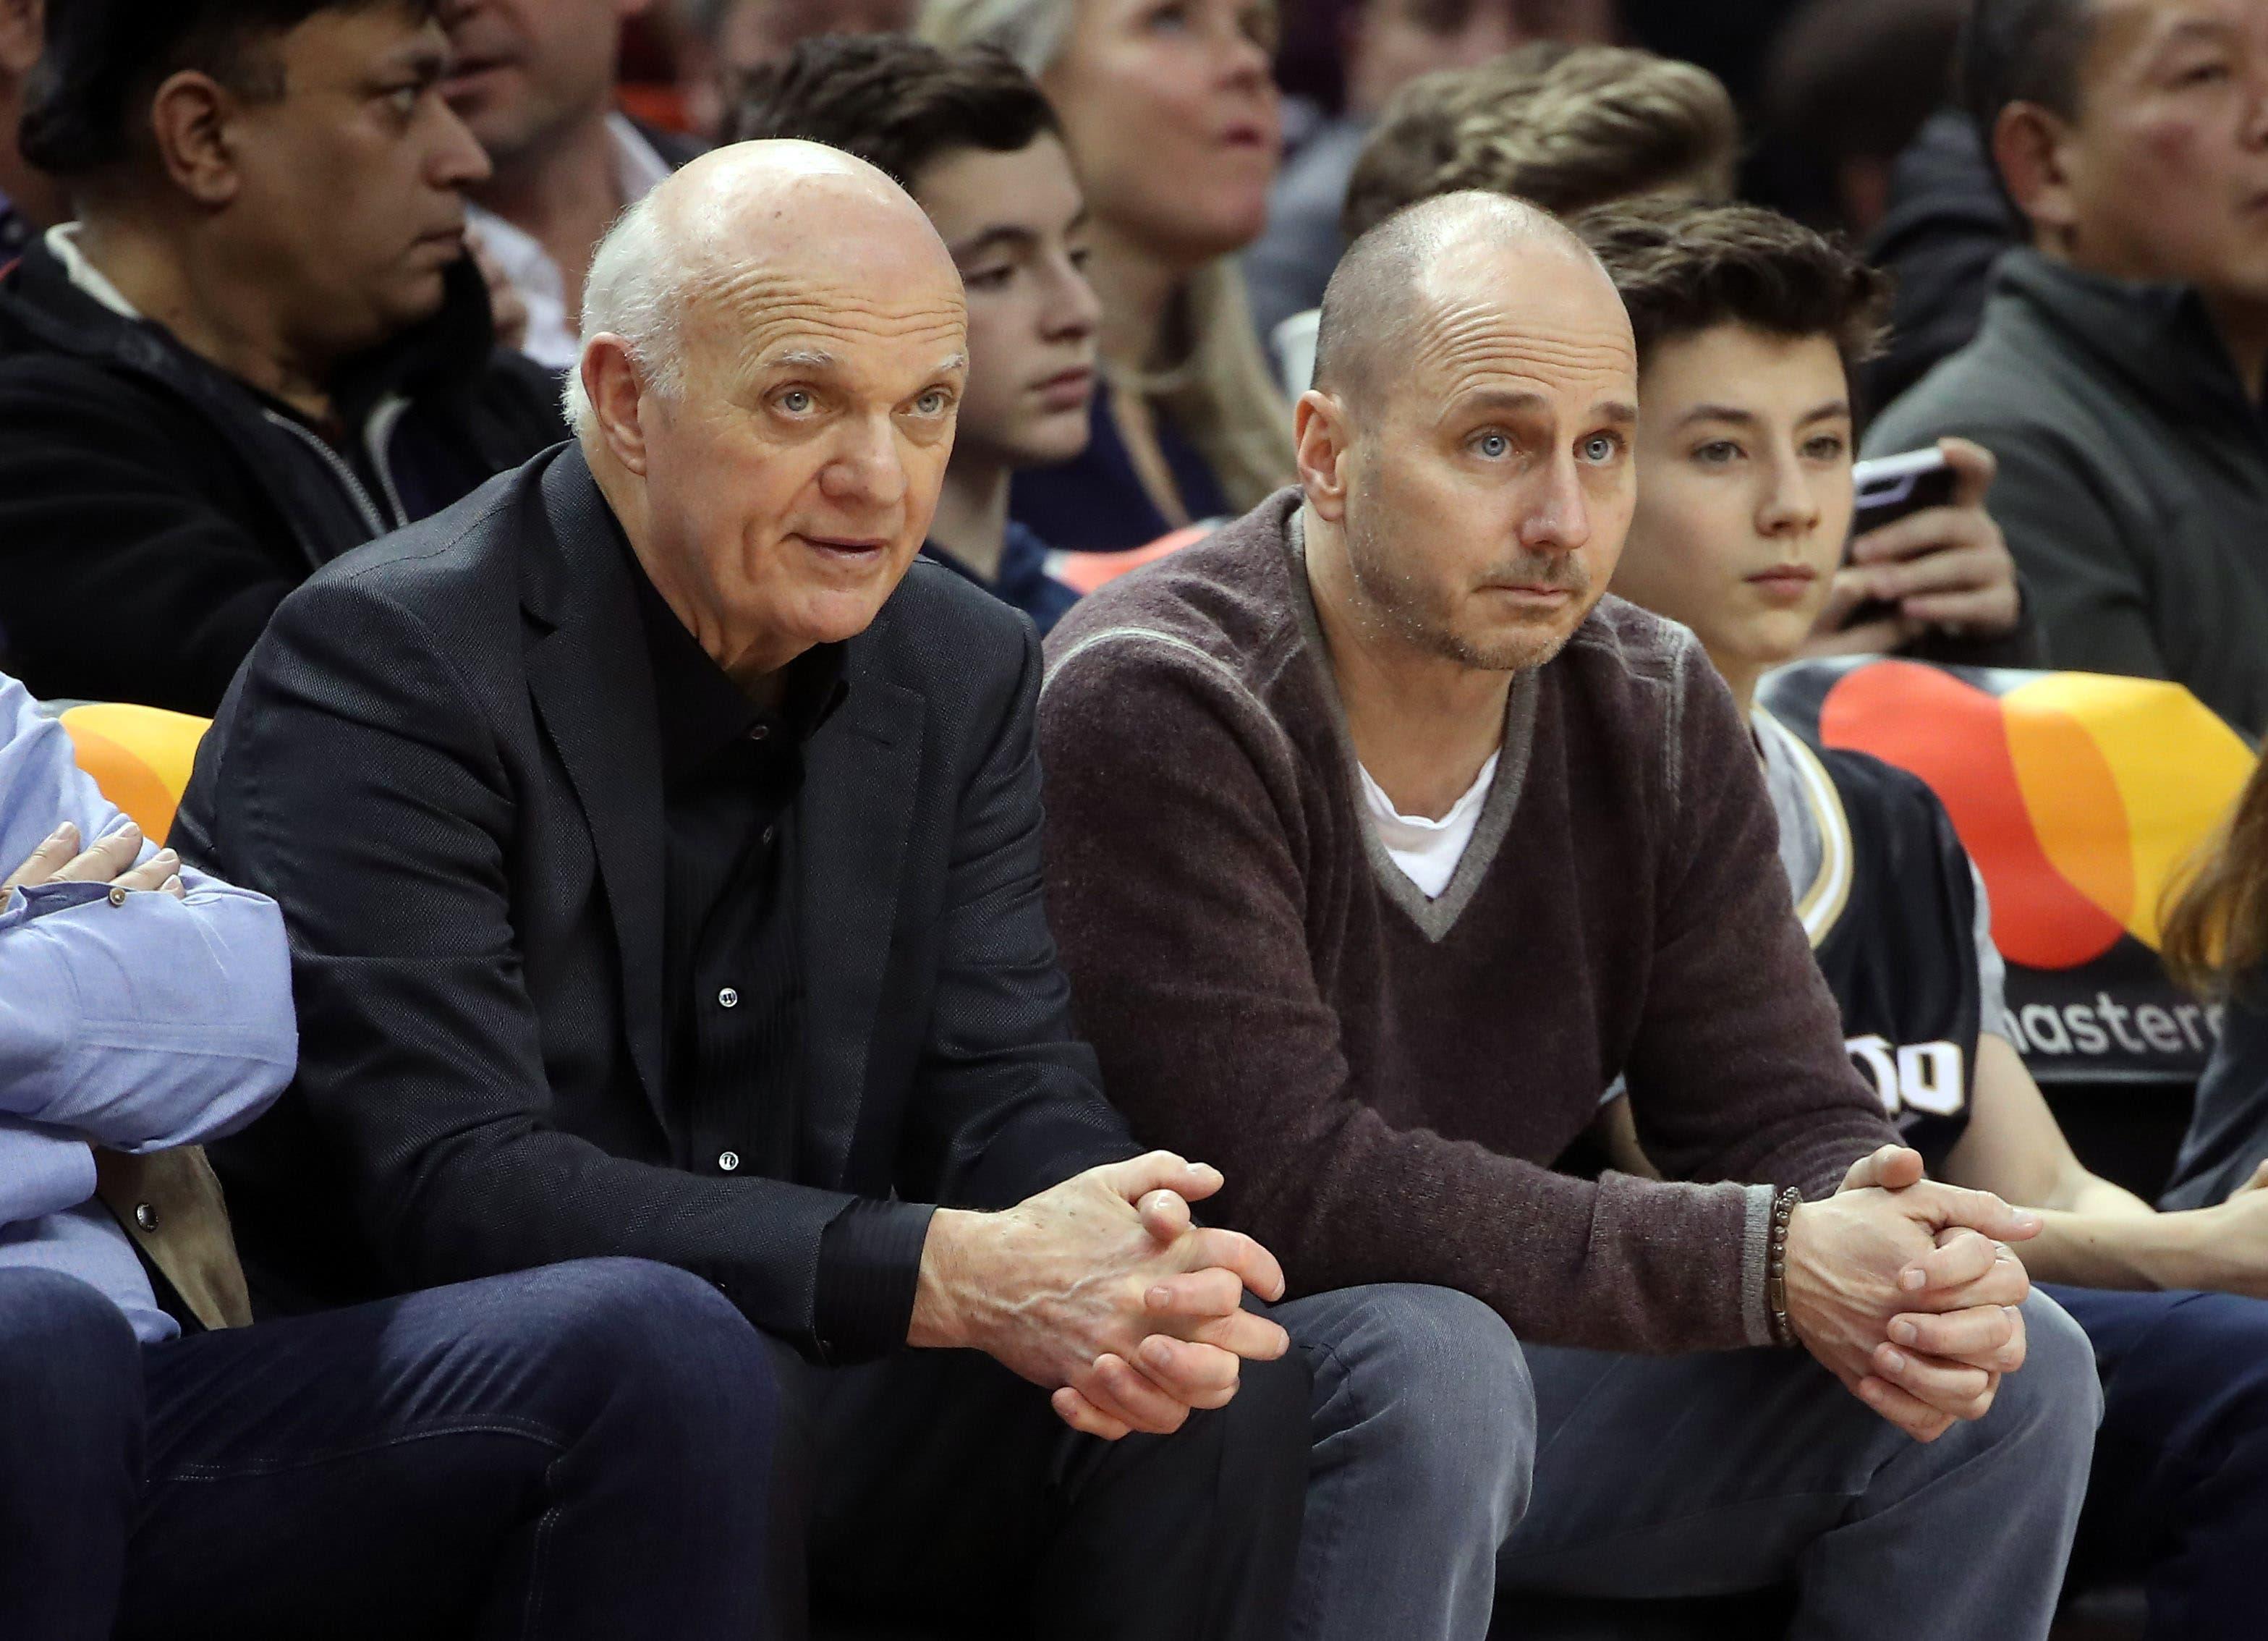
column 1419, row 258
column 782, row 223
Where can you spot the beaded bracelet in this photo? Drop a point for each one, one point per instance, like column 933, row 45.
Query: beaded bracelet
column 1784, row 1207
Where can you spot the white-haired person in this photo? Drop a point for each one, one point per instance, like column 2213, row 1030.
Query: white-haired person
column 1174, row 123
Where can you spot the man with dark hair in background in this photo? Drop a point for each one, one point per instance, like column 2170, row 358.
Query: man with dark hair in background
column 259, row 345
column 1386, row 44
column 2119, row 371
column 29, row 200
column 534, row 81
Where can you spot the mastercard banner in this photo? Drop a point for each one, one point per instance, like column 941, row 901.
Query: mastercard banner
column 2079, row 797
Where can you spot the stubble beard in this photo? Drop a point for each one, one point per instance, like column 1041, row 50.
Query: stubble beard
column 1413, row 609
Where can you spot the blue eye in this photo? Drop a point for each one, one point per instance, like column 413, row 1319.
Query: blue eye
column 796, row 401
column 1601, row 447
column 1494, row 447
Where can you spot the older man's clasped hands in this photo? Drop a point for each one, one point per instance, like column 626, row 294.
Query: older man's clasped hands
column 1904, row 1289
column 1105, row 1291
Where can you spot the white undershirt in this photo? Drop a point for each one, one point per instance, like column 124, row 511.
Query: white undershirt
column 1427, row 851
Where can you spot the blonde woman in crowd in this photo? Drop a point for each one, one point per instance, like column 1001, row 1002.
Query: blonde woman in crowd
column 1172, row 117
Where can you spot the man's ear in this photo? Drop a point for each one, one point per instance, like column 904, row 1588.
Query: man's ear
column 1323, row 436
column 2031, row 150
column 191, row 119
column 610, row 379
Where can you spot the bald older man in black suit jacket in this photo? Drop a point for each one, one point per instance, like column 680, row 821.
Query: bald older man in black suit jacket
column 661, row 860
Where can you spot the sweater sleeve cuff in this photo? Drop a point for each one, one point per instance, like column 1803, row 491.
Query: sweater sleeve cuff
column 1755, row 1238
column 869, row 1265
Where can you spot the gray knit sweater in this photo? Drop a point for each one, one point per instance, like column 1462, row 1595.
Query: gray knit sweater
column 1385, row 1079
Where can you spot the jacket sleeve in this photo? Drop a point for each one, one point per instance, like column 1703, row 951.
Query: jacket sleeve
column 1010, row 1103
column 1739, row 1070
column 1179, row 896
column 361, row 784
column 119, row 578
column 41, row 1172
column 1006, row 1102
column 141, row 1023
column 2080, row 545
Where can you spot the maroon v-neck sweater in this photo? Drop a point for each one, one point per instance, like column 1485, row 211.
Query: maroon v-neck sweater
column 1385, row 1079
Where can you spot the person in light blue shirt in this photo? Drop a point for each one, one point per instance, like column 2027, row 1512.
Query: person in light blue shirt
column 573, row 1452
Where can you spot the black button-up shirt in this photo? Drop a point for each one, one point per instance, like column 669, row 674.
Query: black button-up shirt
column 732, row 976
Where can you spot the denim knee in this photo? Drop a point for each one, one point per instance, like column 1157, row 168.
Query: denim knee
column 2054, row 1402
column 662, row 1341
column 1445, row 1383
column 66, row 1351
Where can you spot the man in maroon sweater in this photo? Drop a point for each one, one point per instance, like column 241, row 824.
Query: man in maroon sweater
column 1379, row 844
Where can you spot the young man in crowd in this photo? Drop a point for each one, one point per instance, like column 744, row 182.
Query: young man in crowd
column 2119, row 372
column 259, row 345
column 1570, row 130
column 1748, row 327
column 720, row 43
column 535, row 82
column 1379, row 844
column 1385, row 44
column 660, row 841
column 972, row 140
column 30, row 201
column 566, row 1453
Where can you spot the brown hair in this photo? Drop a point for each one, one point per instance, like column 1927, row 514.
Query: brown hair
column 1566, row 127
column 1682, row 268
column 897, row 102
column 2214, row 933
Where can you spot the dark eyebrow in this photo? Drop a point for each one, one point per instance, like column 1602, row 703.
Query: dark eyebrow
column 1749, row 418
column 1618, row 414
column 1000, row 234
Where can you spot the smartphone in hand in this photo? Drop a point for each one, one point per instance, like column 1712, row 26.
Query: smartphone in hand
column 1888, row 488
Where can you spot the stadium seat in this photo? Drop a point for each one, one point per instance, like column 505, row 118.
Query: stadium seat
column 140, row 756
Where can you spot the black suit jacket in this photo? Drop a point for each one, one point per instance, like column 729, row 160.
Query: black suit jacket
column 441, row 760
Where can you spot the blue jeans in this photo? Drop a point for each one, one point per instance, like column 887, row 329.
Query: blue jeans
column 579, row 1451
column 1456, row 1469
column 2179, row 1498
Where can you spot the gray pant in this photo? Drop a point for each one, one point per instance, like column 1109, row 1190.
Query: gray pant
column 1450, row 1464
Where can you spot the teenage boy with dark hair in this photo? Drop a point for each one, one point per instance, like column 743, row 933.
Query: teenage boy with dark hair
column 972, row 140
column 2119, row 371
column 1749, row 326
column 259, row 345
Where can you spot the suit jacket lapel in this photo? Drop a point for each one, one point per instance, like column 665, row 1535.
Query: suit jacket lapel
column 861, row 781
column 594, row 692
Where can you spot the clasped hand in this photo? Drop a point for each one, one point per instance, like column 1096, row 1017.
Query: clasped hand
column 1902, row 1288
column 1103, row 1292
column 111, row 860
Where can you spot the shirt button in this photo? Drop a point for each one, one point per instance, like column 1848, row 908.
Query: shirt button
column 117, row 897
column 728, row 999
column 145, row 1216
column 770, row 832
column 729, row 1162
column 759, row 733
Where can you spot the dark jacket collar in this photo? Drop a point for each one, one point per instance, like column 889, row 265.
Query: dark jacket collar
column 2157, row 338
column 445, row 355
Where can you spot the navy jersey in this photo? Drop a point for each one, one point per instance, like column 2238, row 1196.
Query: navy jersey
column 1894, row 910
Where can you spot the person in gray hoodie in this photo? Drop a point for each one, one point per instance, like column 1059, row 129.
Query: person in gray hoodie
column 2118, row 372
